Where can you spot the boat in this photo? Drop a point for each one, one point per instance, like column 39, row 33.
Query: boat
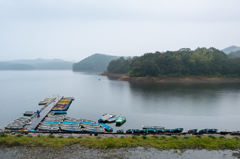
column 192, row 130
column 178, row 130
column 105, row 118
column 120, row 120
column 94, row 130
column 153, row 127
column 152, row 130
column 72, row 129
column 53, row 122
column 88, row 123
column 86, row 120
column 174, row 130
column 120, row 131
column 208, row 131
column 132, row 131
column 63, row 104
column 48, row 128
column 28, row 113
column 107, row 127
column 60, row 112
column 69, row 122
column 113, row 119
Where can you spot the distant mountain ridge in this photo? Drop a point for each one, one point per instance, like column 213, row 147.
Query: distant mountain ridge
column 36, row 64
column 234, row 54
column 231, row 49
column 96, row 62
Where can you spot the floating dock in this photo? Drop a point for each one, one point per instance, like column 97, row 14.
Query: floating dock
column 44, row 112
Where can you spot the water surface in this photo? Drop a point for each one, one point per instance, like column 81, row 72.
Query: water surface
column 170, row 105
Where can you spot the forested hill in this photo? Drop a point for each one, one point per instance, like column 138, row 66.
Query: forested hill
column 184, row 62
column 96, row 62
column 36, row 64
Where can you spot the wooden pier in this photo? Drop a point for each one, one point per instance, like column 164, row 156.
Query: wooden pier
column 37, row 120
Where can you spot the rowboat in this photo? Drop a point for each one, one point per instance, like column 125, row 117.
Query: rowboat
column 88, row 123
column 94, row 130
column 132, row 131
column 28, row 113
column 107, row 127
column 152, row 127
column 208, row 131
column 120, row 131
column 105, row 118
column 69, row 122
column 192, row 130
column 121, row 120
column 113, row 119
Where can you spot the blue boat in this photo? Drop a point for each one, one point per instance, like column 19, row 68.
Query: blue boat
column 151, row 130
column 169, row 130
column 132, row 131
column 104, row 118
column 52, row 122
column 88, row 123
column 93, row 130
column 71, row 129
column 120, row 131
column 153, row 127
column 143, row 131
column 192, row 130
column 113, row 119
column 208, row 131
column 59, row 112
column 107, row 127
column 178, row 130
column 69, row 122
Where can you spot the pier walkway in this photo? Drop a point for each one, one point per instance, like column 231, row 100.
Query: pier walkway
column 35, row 121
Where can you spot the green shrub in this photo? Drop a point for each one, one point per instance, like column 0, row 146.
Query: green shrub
column 144, row 137
column 60, row 136
column 51, row 136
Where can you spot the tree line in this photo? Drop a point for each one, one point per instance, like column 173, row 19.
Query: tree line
column 184, row 62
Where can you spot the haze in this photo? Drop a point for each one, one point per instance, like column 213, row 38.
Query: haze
column 74, row 29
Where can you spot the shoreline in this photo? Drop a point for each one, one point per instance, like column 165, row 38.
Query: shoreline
column 164, row 79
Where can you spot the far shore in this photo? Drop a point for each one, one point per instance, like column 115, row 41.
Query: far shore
column 165, row 79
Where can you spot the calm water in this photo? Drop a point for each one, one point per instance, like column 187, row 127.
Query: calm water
column 170, row 105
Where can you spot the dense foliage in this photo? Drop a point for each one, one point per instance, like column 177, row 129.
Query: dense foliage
column 200, row 62
column 96, row 62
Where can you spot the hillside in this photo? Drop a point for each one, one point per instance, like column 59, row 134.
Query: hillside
column 7, row 66
column 230, row 49
column 36, row 64
column 184, row 62
column 234, row 54
column 96, row 62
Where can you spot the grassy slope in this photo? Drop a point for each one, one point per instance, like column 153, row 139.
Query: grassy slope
column 174, row 142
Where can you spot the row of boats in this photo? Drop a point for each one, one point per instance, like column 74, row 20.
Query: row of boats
column 110, row 118
column 157, row 129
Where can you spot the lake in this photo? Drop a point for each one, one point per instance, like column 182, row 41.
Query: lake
column 171, row 105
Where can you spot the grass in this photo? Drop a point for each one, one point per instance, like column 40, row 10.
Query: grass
column 190, row 142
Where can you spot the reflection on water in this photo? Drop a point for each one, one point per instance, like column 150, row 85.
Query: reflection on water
column 188, row 99
column 171, row 105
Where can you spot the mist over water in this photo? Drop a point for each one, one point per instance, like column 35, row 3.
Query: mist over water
column 170, row 105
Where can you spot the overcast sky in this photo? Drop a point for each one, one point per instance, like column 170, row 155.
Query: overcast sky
column 75, row 29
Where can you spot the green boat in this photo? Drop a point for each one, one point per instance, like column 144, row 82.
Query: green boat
column 120, row 120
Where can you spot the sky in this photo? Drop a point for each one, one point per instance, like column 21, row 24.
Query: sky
column 75, row 29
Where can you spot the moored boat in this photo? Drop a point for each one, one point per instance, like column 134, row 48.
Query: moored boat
column 113, row 119
column 120, row 131
column 94, row 130
column 107, row 127
column 132, row 131
column 192, row 130
column 105, row 118
column 208, row 131
column 152, row 127
column 28, row 113
column 121, row 120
